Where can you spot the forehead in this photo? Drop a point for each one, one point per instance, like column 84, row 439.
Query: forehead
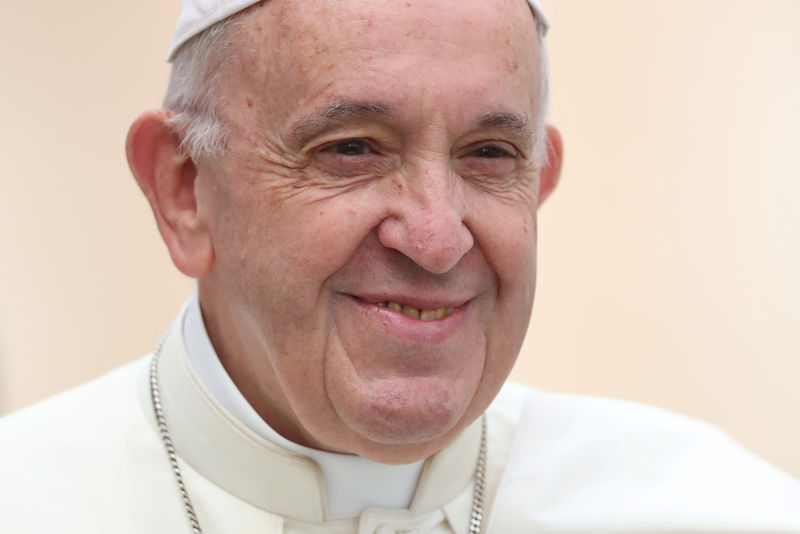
column 357, row 20
column 295, row 50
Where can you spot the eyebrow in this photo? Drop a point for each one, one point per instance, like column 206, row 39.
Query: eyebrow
column 323, row 117
column 514, row 124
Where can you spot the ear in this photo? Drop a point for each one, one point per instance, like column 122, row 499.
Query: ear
column 168, row 177
column 548, row 178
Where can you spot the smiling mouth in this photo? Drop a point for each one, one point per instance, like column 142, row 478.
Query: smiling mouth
column 416, row 313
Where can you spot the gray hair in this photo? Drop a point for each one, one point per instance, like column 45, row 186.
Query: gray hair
column 192, row 95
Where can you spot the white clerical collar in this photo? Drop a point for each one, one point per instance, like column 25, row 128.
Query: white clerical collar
column 352, row 483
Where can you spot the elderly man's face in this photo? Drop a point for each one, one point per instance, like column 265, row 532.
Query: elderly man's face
column 373, row 219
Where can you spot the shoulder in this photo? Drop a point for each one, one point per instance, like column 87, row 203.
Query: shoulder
column 75, row 414
column 548, row 415
column 582, row 462
column 78, row 451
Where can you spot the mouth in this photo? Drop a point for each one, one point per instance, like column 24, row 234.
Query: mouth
column 417, row 320
column 417, row 313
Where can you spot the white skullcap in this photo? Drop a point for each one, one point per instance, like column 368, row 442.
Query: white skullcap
column 198, row 15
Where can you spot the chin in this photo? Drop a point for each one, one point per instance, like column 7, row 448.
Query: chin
column 408, row 413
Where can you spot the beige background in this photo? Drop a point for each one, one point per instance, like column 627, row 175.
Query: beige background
column 669, row 256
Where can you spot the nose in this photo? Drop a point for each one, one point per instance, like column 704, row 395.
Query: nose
column 426, row 221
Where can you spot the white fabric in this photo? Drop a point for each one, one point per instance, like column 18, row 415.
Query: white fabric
column 581, row 465
column 90, row 461
column 198, row 15
column 352, row 483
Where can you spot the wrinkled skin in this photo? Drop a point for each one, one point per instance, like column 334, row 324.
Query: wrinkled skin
column 379, row 151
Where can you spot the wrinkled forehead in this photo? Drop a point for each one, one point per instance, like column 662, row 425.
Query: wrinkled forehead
column 348, row 30
column 198, row 15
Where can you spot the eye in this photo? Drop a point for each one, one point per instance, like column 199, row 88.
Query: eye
column 350, row 147
column 491, row 152
column 489, row 160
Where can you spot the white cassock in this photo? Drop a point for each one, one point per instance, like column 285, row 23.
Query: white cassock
column 91, row 461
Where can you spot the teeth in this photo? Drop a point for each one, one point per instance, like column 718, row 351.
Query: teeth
column 410, row 312
column 427, row 315
column 416, row 313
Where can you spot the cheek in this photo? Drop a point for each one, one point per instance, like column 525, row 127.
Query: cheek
column 283, row 253
column 505, row 230
column 508, row 240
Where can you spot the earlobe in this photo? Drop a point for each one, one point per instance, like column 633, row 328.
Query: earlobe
column 168, row 179
column 552, row 170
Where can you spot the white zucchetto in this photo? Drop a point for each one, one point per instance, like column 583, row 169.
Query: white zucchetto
column 198, row 15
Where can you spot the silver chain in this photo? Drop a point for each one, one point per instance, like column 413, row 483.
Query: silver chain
column 476, row 514
column 165, row 437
